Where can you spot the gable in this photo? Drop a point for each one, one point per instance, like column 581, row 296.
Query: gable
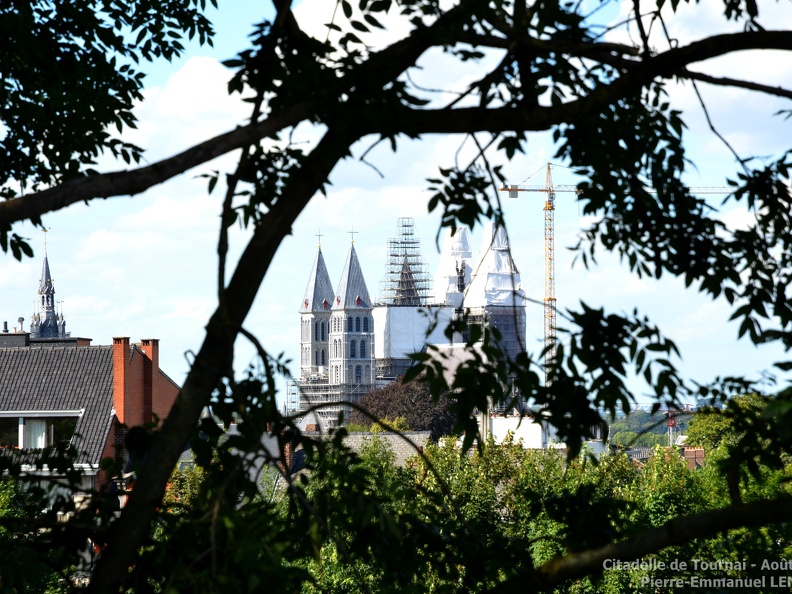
column 62, row 381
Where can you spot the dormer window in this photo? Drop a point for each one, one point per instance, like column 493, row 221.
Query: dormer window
column 358, row 301
column 325, row 304
column 38, row 430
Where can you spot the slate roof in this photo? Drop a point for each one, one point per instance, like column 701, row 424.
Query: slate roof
column 45, row 283
column 352, row 290
column 62, row 379
column 319, row 293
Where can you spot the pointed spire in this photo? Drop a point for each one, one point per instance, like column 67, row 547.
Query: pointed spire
column 319, row 292
column 352, row 290
column 45, row 283
column 455, row 266
column 407, row 290
column 46, row 323
column 496, row 279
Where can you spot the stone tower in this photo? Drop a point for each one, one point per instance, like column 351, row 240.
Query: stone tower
column 315, row 321
column 352, row 333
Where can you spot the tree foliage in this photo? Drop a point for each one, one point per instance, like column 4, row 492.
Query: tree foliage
column 539, row 67
column 411, row 401
column 640, row 428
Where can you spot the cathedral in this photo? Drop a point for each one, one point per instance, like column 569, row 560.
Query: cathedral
column 350, row 344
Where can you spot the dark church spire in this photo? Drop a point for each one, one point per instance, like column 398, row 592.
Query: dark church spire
column 47, row 323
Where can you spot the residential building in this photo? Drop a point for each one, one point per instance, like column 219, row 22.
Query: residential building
column 54, row 387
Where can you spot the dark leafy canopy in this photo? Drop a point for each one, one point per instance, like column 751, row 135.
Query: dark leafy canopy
column 70, row 76
column 541, row 67
column 411, row 401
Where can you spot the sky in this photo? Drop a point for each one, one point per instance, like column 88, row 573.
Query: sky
column 145, row 267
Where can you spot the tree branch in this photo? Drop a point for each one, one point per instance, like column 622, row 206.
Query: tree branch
column 212, row 361
column 725, row 81
column 383, row 67
column 379, row 70
column 676, row 532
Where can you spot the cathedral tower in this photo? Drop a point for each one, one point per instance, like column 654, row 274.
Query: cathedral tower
column 352, row 332
column 315, row 321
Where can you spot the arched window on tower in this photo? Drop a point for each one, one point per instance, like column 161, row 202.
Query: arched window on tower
column 365, row 324
column 349, row 324
column 323, row 357
column 357, row 324
column 363, row 349
column 323, row 330
column 316, row 330
column 316, row 358
column 358, row 374
column 352, row 351
column 335, row 348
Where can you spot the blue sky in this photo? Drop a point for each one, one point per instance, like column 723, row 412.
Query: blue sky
column 144, row 267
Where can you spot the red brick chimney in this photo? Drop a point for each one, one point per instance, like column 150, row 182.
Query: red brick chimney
column 150, row 348
column 120, row 379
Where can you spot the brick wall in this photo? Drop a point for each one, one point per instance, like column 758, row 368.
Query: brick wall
column 163, row 390
column 140, row 389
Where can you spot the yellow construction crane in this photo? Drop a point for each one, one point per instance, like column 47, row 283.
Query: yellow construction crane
column 549, row 209
column 549, row 297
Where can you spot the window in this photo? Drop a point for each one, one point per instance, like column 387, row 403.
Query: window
column 323, row 330
column 9, row 432
column 323, row 357
column 37, row 432
column 316, row 330
column 358, row 374
column 316, row 358
column 357, row 324
column 363, row 349
column 335, row 348
column 349, row 324
column 365, row 324
column 352, row 352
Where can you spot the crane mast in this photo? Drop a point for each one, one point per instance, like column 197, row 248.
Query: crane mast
column 549, row 256
column 549, row 296
column 549, row 190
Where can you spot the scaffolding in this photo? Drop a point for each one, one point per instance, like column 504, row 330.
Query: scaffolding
column 302, row 395
column 406, row 282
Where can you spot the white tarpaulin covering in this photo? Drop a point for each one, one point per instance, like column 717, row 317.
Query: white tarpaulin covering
column 400, row 331
column 456, row 255
column 496, row 280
